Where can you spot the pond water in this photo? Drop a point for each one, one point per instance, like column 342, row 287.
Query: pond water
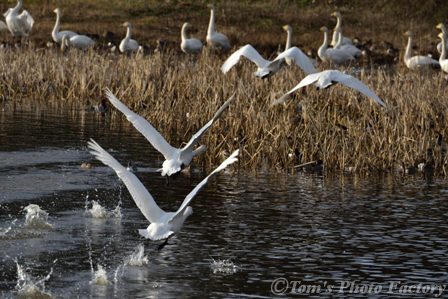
column 72, row 232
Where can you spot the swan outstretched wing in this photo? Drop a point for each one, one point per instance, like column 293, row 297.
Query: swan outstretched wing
column 249, row 52
column 358, row 85
column 190, row 145
column 7, row 12
column 193, row 193
column 301, row 60
column 305, row 81
column 26, row 20
column 139, row 193
column 144, row 127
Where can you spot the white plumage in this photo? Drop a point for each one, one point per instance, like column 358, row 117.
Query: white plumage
column 189, row 45
column 17, row 23
column 327, row 78
column 175, row 159
column 350, row 49
column 332, row 55
column 79, row 41
column 442, row 27
column 443, row 60
column 128, row 45
column 268, row 68
column 416, row 62
column 345, row 40
column 216, row 39
column 56, row 34
column 163, row 225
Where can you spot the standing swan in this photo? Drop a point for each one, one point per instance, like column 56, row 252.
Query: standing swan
column 189, row 45
column 176, row 159
column 350, row 49
column 79, row 41
column 128, row 45
column 56, row 34
column 345, row 40
column 163, row 225
column 443, row 60
column 332, row 55
column 416, row 62
column 216, row 39
column 442, row 27
column 17, row 23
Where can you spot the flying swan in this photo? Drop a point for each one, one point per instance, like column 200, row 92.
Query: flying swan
column 17, row 23
column 175, row 158
column 163, row 225
column 345, row 40
column 268, row 68
column 443, row 60
column 332, row 54
column 416, row 62
column 216, row 39
column 56, row 34
column 330, row 77
column 79, row 41
column 189, row 45
column 128, row 45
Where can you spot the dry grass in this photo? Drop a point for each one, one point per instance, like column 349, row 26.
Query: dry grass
column 339, row 126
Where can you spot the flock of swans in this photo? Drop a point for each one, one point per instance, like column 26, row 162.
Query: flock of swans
column 163, row 225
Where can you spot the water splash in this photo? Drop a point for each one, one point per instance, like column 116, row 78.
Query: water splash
column 36, row 218
column 137, row 258
column 100, row 277
column 100, row 212
column 224, row 266
column 4, row 231
column 29, row 286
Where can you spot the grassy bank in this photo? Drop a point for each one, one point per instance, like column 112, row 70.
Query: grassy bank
column 338, row 126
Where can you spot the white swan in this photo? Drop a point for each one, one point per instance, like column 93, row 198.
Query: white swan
column 189, row 45
column 442, row 27
column 416, row 62
column 175, row 159
column 79, row 41
column 443, row 60
column 128, row 45
column 268, row 68
column 56, row 34
column 163, row 225
column 330, row 77
column 216, row 39
column 17, row 23
column 345, row 40
column 350, row 49
column 288, row 30
column 332, row 55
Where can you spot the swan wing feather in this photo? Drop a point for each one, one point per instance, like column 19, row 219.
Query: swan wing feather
column 247, row 51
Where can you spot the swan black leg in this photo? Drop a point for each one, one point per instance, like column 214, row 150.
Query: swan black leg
column 163, row 244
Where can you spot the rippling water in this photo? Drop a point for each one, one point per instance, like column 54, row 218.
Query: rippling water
column 247, row 233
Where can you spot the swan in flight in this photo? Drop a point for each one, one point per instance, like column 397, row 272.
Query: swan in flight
column 189, row 45
column 17, row 23
column 216, row 39
column 56, row 34
column 128, row 45
column 79, row 41
column 330, row 77
column 442, row 27
column 443, row 60
column 176, row 159
column 163, row 225
column 416, row 62
column 350, row 49
column 345, row 40
column 332, row 54
column 268, row 68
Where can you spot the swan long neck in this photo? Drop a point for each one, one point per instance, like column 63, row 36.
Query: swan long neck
column 407, row 55
column 184, row 32
column 324, row 46
column 18, row 6
column 443, row 54
column 339, row 21
column 339, row 39
column 211, row 25
column 128, row 33
column 58, row 23
column 288, row 39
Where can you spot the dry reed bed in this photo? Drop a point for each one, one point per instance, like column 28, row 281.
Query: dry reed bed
column 339, row 126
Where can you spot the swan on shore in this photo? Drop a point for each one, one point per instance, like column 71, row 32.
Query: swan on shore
column 17, row 23
column 163, row 225
column 416, row 62
column 128, row 45
column 328, row 78
column 350, row 49
column 443, row 60
column 442, row 27
column 332, row 54
column 78, row 41
column 176, row 159
column 268, row 68
column 345, row 40
column 189, row 45
column 216, row 39
column 56, row 34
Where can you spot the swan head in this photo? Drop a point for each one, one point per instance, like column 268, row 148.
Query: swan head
column 56, row 10
column 408, row 34
column 441, row 26
column 126, row 24
column 211, row 6
column 287, row 28
column 336, row 14
column 324, row 29
column 442, row 35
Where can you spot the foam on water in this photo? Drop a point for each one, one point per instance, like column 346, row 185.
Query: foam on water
column 224, row 266
column 100, row 277
column 137, row 258
column 36, row 218
column 100, row 212
column 29, row 286
column 4, row 231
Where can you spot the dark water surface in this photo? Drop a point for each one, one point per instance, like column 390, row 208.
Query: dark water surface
column 321, row 237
